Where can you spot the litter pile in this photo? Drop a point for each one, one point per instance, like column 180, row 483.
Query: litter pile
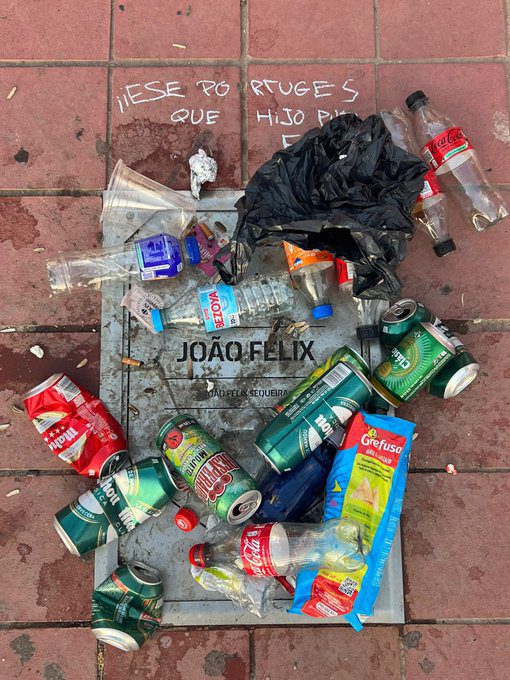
column 343, row 201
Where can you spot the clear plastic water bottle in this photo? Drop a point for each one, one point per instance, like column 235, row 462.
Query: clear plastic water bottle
column 218, row 306
column 156, row 257
column 430, row 213
column 279, row 548
column 449, row 153
column 313, row 272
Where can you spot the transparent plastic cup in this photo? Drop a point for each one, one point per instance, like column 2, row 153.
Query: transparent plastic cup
column 133, row 198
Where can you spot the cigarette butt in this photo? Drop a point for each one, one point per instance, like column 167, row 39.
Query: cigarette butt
column 12, row 92
column 129, row 361
column 206, row 231
column 82, row 363
column 181, row 47
column 14, row 492
column 39, row 250
column 133, row 409
column 220, row 226
column 17, row 409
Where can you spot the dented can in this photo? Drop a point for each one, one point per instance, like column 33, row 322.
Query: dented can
column 115, row 506
column 126, row 607
column 417, row 358
column 458, row 373
column 217, row 479
column 399, row 319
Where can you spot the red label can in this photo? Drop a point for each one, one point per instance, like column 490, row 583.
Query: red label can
column 76, row 426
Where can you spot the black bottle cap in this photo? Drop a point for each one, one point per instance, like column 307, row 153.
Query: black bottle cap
column 445, row 247
column 416, row 99
column 367, row 331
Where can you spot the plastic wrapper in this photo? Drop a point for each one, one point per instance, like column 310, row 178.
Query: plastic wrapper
column 345, row 188
column 203, row 169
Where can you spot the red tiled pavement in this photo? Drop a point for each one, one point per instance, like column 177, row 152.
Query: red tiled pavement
column 21, row 446
column 473, row 95
column 157, row 137
column 64, row 30
column 303, row 29
column 287, row 100
column 328, row 654
column 470, row 430
column 456, row 548
column 457, row 652
column 52, row 654
column 157, row 29
column 53, row 128
column 41, row 580
column 438, row 29
column 195, row 655
column 54, row 223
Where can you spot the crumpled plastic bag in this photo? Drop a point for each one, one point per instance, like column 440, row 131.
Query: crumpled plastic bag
column 345, row 188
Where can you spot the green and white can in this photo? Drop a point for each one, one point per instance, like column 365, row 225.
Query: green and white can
column 216, row 478
column 115, row 506
column 417, row 358
column 345, row 354
column 317, row 414
column 126, row 607
column 399, row 319
column 458, row 373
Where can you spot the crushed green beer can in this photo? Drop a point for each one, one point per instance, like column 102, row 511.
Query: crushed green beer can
column 399, row 319
column 317, row 414
column 417, row 358
column 126, row 607
column 345, row 354
column 216, row 478
column 458, row 373
column 115, row 506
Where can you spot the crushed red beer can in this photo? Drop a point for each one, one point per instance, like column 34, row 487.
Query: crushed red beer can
column 76, row 426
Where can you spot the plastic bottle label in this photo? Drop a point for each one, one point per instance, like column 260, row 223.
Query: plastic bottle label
column 219, row 307
column 297, row 257
column 255, row 550
column 344, row 271
column 158, row 257
column 431, row 187
column 447, row 144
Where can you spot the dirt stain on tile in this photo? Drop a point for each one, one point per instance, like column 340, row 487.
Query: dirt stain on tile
column 215, row 663
column 21, row 156
column 52, row 671
column 412, row 639
column 17, row 224
column 10, row 524
column 79, row 134
column 427, row 665
column 23, row 647
column 24, row 550
column 476, row 574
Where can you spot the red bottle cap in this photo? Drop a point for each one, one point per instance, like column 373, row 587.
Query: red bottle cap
column 186, row 519
column 196, row 555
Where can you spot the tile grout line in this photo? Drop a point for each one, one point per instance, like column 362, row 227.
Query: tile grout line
column 402, row 654
column 243, row 94
column 251, row 646
column 377, row 54
column 109, row 94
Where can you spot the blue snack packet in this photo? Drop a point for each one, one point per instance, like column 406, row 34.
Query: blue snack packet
column 366, row 484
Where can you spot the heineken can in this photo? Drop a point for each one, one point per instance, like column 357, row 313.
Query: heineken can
column 216, row 478
column 317, row 414
column 399, row 319
column 126, row 607
column 345, row 354
column 412, row 363
column 458, row 373
column 115, row 506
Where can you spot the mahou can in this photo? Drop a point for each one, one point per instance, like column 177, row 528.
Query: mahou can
column 115, row 506
column 126, row 607
column 76, row 426
column 216, row 478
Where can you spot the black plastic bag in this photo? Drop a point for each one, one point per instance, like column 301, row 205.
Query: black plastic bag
column 345, row 188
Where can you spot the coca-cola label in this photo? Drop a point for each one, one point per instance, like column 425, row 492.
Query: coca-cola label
column 255, row 550
column 344, row 271
column 446, row 145
column 214, row 476
column 431, row 186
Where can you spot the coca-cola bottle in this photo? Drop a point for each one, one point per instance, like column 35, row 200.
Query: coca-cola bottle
column 449, row 153
column 279, row 548
column 430, row 214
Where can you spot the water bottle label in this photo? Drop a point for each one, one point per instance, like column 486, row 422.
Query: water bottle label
column 219, row 307
column 447, row 144
column 297, row 257
column 158, row 257
column 344, row 271
column 431, row 186
column 255, row 550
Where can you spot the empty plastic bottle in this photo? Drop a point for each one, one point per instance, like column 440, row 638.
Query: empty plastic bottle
column 313, row 272
column 218, row 307
column 449, row 153
column 430, row 213
column 279, row 548
column 151, row 258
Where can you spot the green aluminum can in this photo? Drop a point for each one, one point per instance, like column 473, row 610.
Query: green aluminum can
column 317, row 414
column 399, row 319
column 126, row 607
column 115, row 506
column 216, row 478
column 345, row 354
column 412, row 363
column 458, row 373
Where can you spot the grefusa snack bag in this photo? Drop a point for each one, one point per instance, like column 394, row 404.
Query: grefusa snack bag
column 366, row 484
